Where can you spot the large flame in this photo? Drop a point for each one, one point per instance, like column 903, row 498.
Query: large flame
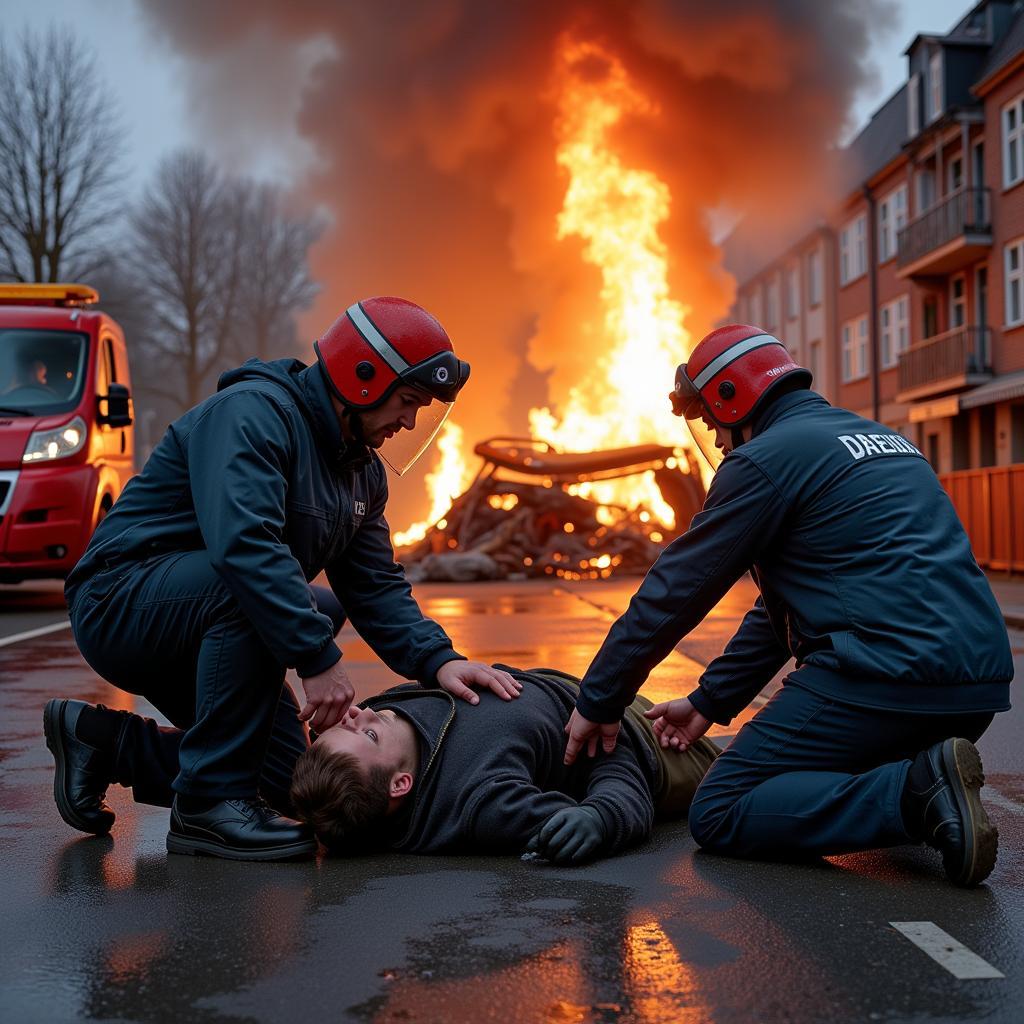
column 616, row 209
column 444, row 483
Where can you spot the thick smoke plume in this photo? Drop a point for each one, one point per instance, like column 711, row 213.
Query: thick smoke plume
column 432, row 133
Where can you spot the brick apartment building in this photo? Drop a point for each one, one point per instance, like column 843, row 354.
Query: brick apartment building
column 906, row 298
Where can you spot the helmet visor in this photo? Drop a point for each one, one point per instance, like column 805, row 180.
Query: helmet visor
column 404, row 448
column 685, row 397
column 706, row 440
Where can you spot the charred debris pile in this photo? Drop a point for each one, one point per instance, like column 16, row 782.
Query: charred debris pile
column 522, row 516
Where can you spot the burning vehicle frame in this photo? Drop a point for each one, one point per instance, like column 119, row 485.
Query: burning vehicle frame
column 528, row 513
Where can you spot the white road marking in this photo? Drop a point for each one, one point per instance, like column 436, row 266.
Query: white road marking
column 945, row 950
column 993, row 796
column 30, row 634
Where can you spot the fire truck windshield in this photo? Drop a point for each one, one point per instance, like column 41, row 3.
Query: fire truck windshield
column 41, row 372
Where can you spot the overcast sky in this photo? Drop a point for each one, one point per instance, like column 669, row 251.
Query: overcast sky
column 146, row 76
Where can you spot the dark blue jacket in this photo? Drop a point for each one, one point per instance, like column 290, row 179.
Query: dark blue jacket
column 259, row 476
column 866, row 576
column 491, row 775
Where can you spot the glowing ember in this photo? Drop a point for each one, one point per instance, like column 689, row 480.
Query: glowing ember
column 447, row 481
column 616, row 210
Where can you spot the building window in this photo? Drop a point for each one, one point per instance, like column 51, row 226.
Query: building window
column 894, row 329
column 792, row 293
column 934, row 85
column 1013, row 142
column 955, row 172
column 1014, row 266
column 814, row 278
column 914, row 104
column 855, row 349
column 814, row 363
column 925, row 190
column 957, row 302
column 929, row 317
column 892, row 218
column 771, row 304
column 852, row 250
column 755, row 307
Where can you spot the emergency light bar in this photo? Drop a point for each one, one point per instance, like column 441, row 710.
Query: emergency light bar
column 48, row 295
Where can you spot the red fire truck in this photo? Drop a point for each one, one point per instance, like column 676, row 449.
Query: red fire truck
column 65, row 425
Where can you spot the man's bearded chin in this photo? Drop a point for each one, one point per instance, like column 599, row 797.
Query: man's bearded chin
column 355, row 426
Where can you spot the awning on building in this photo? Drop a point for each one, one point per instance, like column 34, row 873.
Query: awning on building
column 1002, row 389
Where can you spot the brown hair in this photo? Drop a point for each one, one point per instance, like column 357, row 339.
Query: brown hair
column 331, row 792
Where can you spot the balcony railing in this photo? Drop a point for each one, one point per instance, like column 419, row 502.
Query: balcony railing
column 949, row 361
column 966, row 212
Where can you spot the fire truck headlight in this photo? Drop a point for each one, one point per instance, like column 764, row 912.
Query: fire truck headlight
column 45, row 445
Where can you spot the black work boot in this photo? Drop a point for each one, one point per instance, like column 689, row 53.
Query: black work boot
column 83, row 772
column 942, row 806
column 238, row 830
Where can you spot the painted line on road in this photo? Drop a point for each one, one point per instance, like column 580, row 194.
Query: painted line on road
column 993, row 796
column 945, row 950
column 31, row 634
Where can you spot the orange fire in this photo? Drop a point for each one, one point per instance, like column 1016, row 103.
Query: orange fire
column 616, row 210
column 445, row 482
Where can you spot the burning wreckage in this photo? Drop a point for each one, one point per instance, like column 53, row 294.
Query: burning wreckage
column 530, row 512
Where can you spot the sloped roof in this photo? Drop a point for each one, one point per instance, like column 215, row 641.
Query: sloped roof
column 878, row 144
column 1006, row 49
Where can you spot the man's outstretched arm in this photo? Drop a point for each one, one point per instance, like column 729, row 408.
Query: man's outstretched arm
column 741, row 517
column 742, row 670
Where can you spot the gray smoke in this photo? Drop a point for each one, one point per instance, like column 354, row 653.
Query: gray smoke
column 427, row 130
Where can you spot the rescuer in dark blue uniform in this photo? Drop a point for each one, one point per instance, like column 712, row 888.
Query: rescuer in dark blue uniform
column 195, row 590
column 867, row 579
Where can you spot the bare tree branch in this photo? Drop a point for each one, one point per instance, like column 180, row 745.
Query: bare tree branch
column 59, row 158
column 220, row 270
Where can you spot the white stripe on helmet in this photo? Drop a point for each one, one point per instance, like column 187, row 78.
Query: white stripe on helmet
column 731, row 353
column 368, row 329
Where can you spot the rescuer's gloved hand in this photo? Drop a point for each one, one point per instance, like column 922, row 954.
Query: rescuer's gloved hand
column 570, row 836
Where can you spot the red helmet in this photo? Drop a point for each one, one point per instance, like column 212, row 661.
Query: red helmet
column 379, row 343
column 730, row 374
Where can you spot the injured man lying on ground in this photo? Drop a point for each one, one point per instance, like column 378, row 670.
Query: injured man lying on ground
column 416, row 771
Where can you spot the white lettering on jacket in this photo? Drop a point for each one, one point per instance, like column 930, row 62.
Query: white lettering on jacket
column 862, row 445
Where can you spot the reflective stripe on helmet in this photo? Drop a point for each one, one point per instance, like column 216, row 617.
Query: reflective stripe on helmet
column 732, row 353
column 368, row 329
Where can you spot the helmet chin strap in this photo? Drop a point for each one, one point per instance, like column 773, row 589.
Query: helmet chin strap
column 737, row 437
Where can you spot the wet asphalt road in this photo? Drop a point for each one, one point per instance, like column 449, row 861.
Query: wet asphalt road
column 114, row 929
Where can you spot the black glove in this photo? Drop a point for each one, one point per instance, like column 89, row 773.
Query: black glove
column 570, row 836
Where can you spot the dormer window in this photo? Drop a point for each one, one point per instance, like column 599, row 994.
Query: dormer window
column 934, row 85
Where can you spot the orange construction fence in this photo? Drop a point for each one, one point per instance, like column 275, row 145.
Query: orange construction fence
column 990, row 503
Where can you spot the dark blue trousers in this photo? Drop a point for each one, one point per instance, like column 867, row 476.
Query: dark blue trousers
column 808, row 776
column 170, row 630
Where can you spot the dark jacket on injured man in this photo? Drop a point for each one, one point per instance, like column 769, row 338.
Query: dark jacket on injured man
column 490, row 775
column 867, row 578
column 259, row 476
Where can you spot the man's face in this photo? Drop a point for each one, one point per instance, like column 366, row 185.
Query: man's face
column 369, row 736
column 397, row 413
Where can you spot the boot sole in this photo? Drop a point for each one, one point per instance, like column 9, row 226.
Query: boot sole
column 964, row 769
column 204, row 848
column 52, row 715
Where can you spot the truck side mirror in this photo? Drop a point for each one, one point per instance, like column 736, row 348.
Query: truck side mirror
column 118, row 411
